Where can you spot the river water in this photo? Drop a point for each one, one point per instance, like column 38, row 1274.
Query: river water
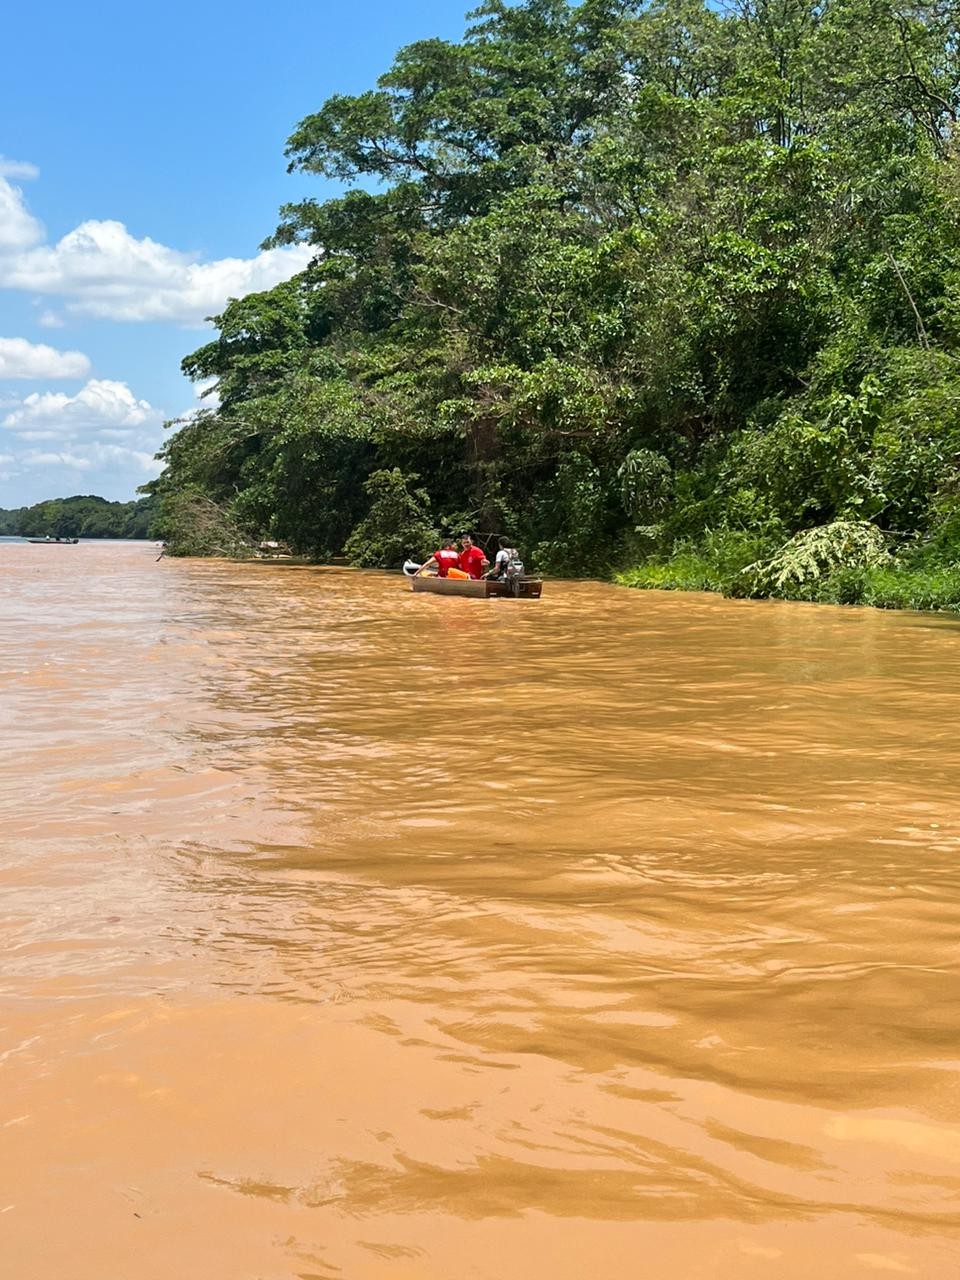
column 350, row 933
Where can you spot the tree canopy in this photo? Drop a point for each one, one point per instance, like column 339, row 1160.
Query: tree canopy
column 614, row 278
column 82, row 516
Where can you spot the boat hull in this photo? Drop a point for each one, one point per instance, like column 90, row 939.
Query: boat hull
column 478, row 588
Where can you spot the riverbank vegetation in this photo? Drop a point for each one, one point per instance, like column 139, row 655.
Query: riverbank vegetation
column 655, row 285
column 80, row 517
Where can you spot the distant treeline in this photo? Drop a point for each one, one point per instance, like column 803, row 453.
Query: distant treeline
column 83, row 516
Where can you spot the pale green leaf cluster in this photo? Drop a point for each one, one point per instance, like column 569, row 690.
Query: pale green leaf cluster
column 815, row 553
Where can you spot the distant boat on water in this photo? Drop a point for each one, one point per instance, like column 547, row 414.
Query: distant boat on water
column 53, row 542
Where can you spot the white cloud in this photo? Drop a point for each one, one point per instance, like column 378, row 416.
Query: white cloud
column 17, row 168
column 22, row 359
column 19, row 229
column 99, row 457
column 98, row 405
column 104, row 431
column 98, row 269
column 105, row 455
column 71, row 460
column 101, row 270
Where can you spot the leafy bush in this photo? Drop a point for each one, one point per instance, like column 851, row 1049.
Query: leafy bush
column 895, row 586
column 847, row 586
column 714, row 563
column 888, row 585
column 900, row 588
column 397, row 524
column 815, row 553
column 575, row 515
column 645, row 483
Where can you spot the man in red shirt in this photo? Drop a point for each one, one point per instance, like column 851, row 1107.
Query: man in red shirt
column 445, row 559
column 472, row 559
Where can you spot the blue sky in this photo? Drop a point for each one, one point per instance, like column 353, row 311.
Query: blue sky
column 141, row 164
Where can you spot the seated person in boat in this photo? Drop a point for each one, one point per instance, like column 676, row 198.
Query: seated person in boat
column 507, row 567
column 472, row 560
column 445, row 559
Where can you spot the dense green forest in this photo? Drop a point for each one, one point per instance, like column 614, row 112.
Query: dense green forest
column 80, row 517
column 665, row 288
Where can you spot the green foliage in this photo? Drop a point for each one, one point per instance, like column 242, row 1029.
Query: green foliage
column 896, row 586
column 903, row 588
column 397, row 524
column 645, row 483
column 715, row 563
column 576, row 520
column 81, row 517
column 661, row 282
column 815, row 553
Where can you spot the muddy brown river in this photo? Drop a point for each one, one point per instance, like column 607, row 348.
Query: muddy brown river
column 357, row 935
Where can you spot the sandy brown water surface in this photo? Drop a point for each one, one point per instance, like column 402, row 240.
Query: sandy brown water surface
column 352, row 934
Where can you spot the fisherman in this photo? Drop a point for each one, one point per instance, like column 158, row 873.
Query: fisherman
column 472, row 560
column 445, row 559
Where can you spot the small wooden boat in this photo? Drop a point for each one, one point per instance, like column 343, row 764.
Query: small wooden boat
column 478, row 588
column 54, row 542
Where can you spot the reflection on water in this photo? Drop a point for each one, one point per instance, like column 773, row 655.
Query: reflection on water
column 352, row 933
